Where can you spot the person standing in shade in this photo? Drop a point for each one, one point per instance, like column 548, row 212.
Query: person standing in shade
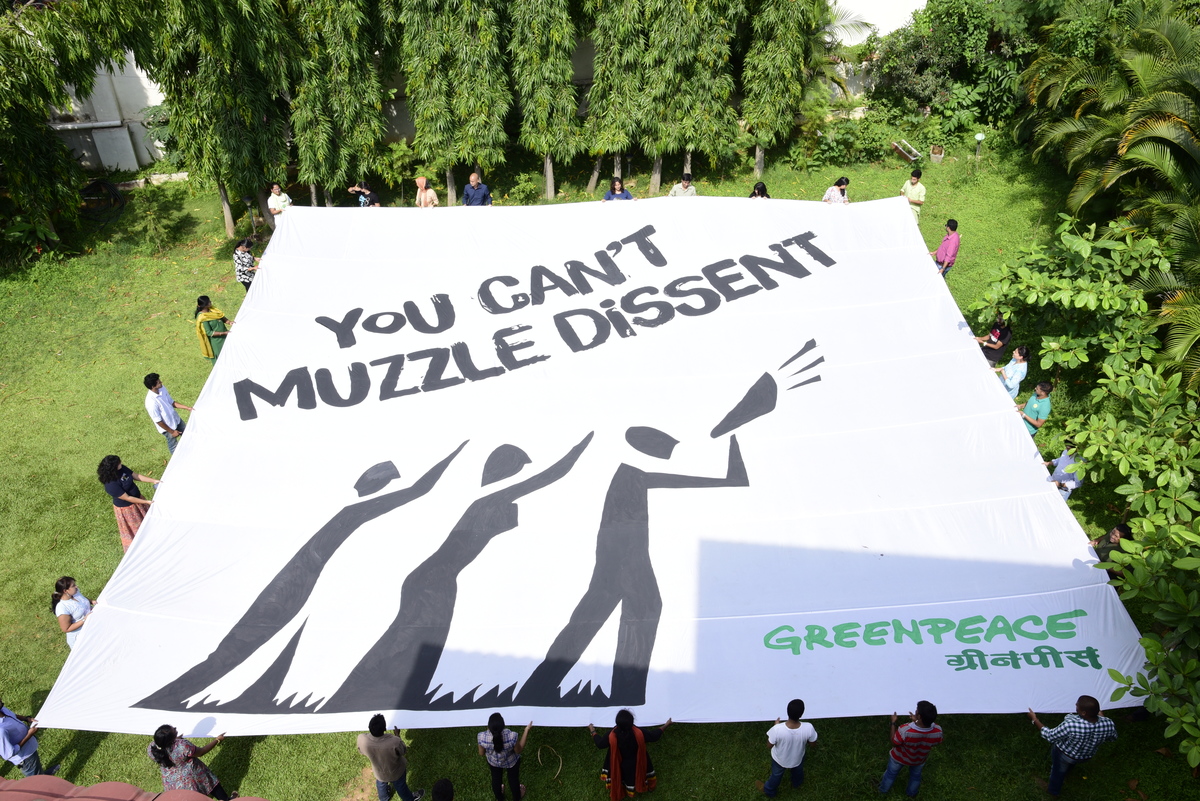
column 684, row 188
column 476, row 193
column 278, row 202
column 426, row 197
column 947, row 252
column 128, row 504
column 442, row 790
column 914, row 191
column 18, row 743
column 1012, row 374
column 1074, row 740
column 616, row 191
column 1066, row 481
column 367, row 199
column 911, row 744
column 627, row 766
column 70, row 607
column 387, row 753
column 836, row 194
column 789, row 741
column 996, row 340
column 759, row 191
column 245, row 263
column 211, row 328
column 161, row 408
column 1037, row 408
column 502, row 750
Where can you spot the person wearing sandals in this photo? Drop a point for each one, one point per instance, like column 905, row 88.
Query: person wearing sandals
column 503, row 752
column 179, row 761
column 627, row 767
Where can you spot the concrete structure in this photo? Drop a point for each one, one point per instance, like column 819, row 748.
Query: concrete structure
column 105, row 130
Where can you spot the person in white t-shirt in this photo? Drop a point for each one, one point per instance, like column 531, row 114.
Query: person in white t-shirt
column 161, row 408
column 789, row 740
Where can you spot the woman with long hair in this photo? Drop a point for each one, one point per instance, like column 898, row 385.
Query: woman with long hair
column 617, row 191
column 245, row 263
column 211, row 328
column 128, row 504
column 71, row 608
column 760, row 190
column 426, row 197
column 837, row 192
column 1012, row 373
column 503, row 752
column 627, row 767
column 179, row 761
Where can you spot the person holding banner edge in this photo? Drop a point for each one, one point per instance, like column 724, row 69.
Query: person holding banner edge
column 911, row 745
column 1074, row 740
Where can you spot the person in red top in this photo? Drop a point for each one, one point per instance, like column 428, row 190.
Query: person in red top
column 911, row 742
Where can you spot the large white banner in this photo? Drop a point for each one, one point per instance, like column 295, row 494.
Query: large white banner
column 694, row 457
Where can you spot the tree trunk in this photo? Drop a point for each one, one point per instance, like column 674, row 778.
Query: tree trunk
column 595, row 179
column 617, row 167
column 328, row 199
column 687, row 161
column 226, row 211
column 451, row 194
column 312, row 193
column 759, row 159
column 548, row 173
column 656, row 175
column 264, row 209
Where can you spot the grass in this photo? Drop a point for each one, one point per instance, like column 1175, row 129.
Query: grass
column 76, row 337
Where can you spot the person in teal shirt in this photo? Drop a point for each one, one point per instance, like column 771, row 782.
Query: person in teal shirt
column 1037, row 408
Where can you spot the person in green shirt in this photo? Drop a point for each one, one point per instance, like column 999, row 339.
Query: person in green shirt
column 914, row 191
column 1037, row 408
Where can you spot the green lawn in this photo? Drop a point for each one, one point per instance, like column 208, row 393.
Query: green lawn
column 77, row 336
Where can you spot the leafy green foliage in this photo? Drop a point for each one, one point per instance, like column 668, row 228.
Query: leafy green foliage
column 542, row 41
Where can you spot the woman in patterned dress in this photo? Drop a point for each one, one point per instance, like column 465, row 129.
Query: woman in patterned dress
column 128, row 504
column 836, row 194
column 179, row 761
column 245, row 263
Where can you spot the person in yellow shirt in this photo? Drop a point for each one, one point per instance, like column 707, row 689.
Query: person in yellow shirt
column 914, row 190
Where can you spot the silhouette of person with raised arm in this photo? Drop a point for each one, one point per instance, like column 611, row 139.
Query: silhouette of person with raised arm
column 397, row 672
column 283, row 598
column 623, row 575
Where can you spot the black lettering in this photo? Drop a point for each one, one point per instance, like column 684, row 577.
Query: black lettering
column 758, row 266
column 345, row 329
column 611, row 274
column 438, row 359
column 373, row 324
column 441, row 306
column 599, row 336
column 666, row 312
column 642, row 240
column 298, row 381
column 360, row 385
column 804, row 242
column 488, row 301
column 619, row 323
column 675, row 290
column 466, row 366
column 724, row 283
column 387, row 388
column 506, row 349
column 543, row 278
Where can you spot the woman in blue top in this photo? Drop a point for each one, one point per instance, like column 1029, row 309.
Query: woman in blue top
column 1012, row 373
column 503, row 752
column 617, row 191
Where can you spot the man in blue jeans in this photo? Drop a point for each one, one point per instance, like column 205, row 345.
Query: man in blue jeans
column 1074, row 740
column 387, row 754
column 910, row 747
column 789, row 740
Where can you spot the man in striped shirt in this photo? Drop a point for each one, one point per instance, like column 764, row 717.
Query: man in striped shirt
column 1074, row 740
column 911, row 742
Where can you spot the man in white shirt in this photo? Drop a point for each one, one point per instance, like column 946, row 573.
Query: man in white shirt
column 161, row 408
column 789, row 740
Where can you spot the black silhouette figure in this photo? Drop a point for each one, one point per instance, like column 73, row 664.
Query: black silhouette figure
column 282, row 599
column 623, row 575
column 397, row 671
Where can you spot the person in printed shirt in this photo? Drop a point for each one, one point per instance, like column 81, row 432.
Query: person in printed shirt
column 1074, row 740
column 911, row 744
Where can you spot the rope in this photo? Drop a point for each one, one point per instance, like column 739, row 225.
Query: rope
column 560, row 760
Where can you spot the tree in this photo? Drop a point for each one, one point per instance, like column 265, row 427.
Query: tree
column 688, row 80
column 223, row 69
column 793, row 53
column 43, row 48
column 615, row 101
column 541, row 45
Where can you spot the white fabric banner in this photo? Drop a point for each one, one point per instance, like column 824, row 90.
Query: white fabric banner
column 695, row 457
